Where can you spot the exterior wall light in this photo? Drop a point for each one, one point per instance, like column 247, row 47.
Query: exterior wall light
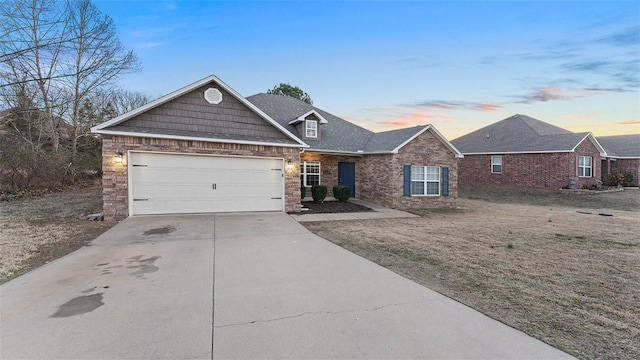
column 289, row 165
column 119, row 158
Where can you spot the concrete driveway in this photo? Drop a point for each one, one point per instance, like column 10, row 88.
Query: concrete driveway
column 237, row 286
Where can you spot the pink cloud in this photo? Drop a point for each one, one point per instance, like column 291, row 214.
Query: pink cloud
column 486, row 107
column 632, row 122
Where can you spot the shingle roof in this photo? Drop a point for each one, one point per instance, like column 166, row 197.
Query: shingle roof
column 389, row 140
column 519, row 134
column 338, row 135
column 621, row 146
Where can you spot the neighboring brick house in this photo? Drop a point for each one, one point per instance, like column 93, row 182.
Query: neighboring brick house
column 523, row 152
column 623, row 156
column 205, row 148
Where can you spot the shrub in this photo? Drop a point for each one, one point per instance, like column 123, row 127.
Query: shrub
column 303, row 192
column 341, row 192
column 318, row 193
column 625, row 179
column 628, row 180
column 26, row 167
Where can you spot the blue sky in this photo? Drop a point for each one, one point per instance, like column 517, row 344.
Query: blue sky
column 459, row 65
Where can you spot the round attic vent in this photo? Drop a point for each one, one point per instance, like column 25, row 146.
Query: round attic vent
column 213, row 96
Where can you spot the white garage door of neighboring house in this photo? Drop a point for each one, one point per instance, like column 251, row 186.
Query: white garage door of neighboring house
column 162, row 183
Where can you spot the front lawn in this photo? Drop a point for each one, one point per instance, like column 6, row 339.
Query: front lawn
column 570, row 279
column 36, row 230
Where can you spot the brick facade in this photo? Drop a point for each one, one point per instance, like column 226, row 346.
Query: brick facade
column 622, row 166
column 549, row 171
column 379, row 178
column 329, row 169
column 115, row 178
column 425, row 150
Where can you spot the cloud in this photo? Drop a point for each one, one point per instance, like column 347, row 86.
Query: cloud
column 420, row 113
column 632, row 122
column 587, row 65
column 455, row 105
column 486, row 107
column 550, row 93
column 410, row 119
column 600, row 90
column 626, row 37
column 544, row 94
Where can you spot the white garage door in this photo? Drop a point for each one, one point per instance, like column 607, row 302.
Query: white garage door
column 163, row 183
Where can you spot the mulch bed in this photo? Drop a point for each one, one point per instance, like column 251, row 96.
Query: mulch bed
column 333, row 207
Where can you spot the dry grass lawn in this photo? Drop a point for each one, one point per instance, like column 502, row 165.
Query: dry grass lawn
column 567, row 278
column 34, row 231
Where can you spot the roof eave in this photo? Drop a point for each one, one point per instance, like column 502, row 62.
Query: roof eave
column 447, row 143
column 595, row 142
column 518, row 152
column 335, row 152
column 623, row 157
column 302, row 118
column 195, row 138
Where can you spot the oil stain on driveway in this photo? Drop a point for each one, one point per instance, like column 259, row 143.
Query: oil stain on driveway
column 142, row 290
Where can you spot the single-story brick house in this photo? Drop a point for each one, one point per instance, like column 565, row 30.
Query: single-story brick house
column 205, row 148
column 523, row 152
column 623, row 156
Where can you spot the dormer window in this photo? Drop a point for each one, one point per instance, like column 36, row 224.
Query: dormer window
column 311, row 128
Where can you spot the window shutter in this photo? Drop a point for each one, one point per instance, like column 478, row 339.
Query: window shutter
column 407, row 181
column 445, row 181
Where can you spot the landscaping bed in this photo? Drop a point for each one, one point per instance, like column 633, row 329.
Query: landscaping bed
column 332, row 207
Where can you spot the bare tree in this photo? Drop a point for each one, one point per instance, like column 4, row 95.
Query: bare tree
column 98, row 56
column 124, row 101
column 56, row 57
column 33, row 35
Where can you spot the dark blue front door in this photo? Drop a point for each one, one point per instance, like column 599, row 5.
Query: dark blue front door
column 347, row 176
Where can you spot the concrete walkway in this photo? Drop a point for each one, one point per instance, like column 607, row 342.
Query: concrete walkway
column 379, row 212
column 237, row 286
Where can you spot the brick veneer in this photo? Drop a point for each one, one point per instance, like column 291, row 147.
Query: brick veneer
column 631, row 166
column 537, row 171
column 425, row 150
column 329, row 169
column 380, row 177
column 115, row 178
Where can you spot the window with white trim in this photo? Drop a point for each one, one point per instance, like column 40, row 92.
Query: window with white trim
column 496, row 164
column 310, row 173
column 311, row 127
column 585, row 166
column 425, row 180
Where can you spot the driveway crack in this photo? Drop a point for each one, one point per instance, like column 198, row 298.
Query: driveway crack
column 324, row 313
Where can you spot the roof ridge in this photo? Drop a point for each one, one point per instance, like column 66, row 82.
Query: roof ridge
column 530, row 121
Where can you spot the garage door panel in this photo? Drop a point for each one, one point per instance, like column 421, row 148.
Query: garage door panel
column 176, row 183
